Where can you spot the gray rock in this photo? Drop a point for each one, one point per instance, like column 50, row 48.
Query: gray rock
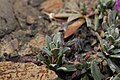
column 35, row 3
column 7, row 19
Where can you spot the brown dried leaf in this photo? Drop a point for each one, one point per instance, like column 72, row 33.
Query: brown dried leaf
column 102, row 33
column 94, row 42
column 74, row 16
column 63, row 15
column 52, row 5
column 73, row 27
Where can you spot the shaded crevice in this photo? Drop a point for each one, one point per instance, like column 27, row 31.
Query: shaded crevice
column 20, row 59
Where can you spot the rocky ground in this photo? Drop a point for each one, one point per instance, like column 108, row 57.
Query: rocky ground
column 22, row 30
column 24, row 71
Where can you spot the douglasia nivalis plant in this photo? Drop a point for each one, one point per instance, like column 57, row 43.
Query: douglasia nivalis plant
column 117, row 5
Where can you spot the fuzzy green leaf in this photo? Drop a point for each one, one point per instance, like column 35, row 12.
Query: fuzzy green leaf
column 57, row 38
column 59, row 60
column 105, row 47
column 43, row 59
column 115, row 56
column 117, row 77
column 63, row 50
column 117, row 41
column 115, row 51
column 116, row 32
column 55, row 52
column 85, row 77
column 111, row 47
column 67, row 68
column 52, row 45
column 111, row 38
column 48, row 52
column 113, row 66
column 48, row 41
column 96, row 22
column 100, row 54
column 96, row 71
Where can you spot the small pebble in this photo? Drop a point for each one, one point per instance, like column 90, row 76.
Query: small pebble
column 35, row 3
column 30, row 20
